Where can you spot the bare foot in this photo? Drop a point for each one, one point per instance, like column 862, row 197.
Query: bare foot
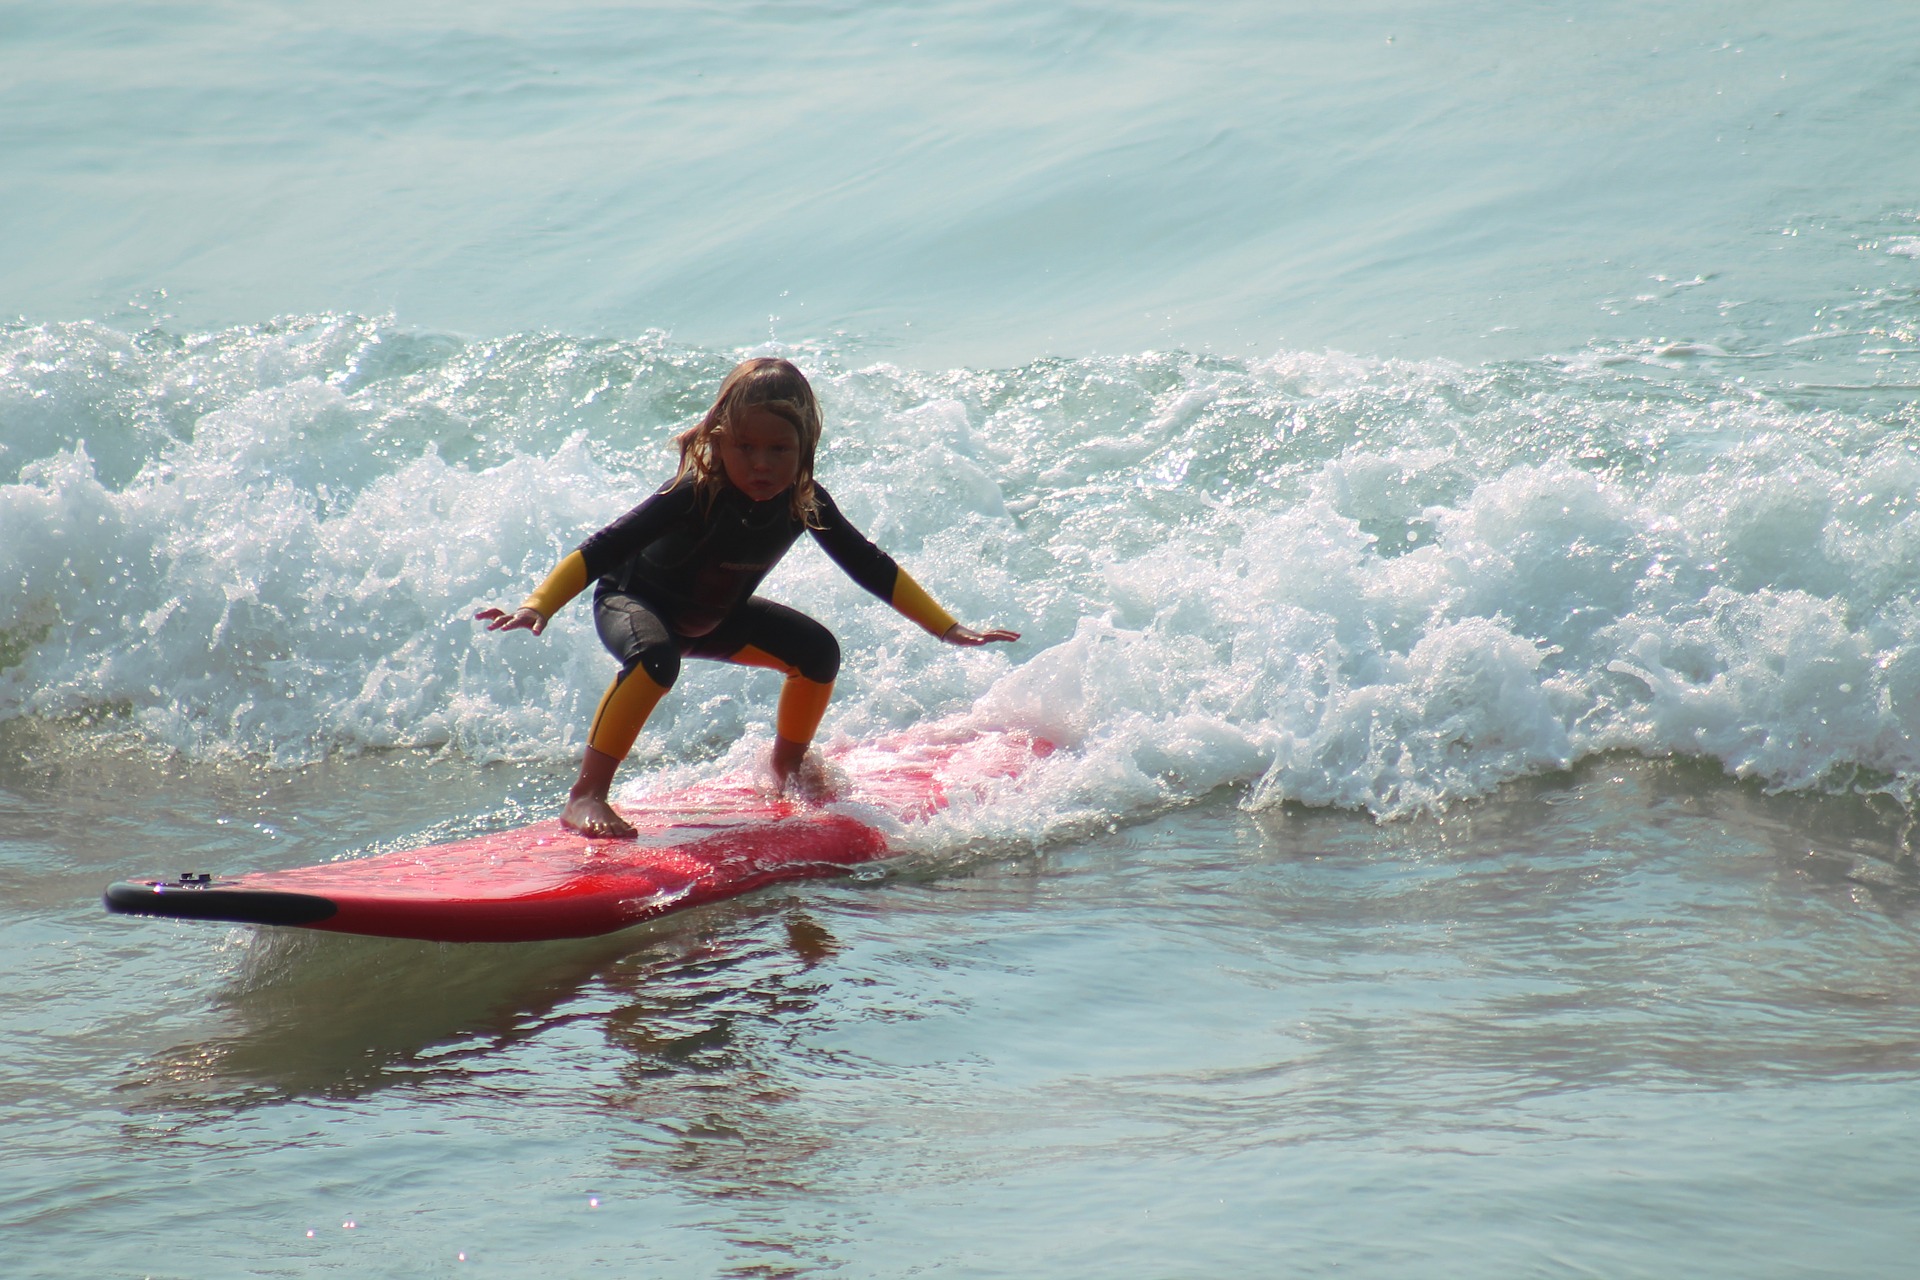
column 801, row 773
column 587, row 809
column 593, row 816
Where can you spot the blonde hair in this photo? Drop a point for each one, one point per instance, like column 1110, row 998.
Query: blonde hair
column 779, row 388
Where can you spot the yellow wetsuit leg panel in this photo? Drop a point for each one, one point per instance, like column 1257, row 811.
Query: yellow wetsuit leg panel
column 624, row 708
column 803, row 702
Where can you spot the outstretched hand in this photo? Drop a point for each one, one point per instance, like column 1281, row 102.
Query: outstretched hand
column 967, row 636
column 521, row 619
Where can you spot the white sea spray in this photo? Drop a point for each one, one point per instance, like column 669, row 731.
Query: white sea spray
column 1381, row 585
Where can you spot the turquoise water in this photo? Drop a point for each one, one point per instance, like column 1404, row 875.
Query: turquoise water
column 1457, row 471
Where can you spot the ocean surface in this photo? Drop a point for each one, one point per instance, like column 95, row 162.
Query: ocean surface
column 1456, row 469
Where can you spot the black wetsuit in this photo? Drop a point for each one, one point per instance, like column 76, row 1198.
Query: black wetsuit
column 693, row 566
column 676, row 578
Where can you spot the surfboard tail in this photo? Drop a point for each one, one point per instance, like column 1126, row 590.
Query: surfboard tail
column 196, row 898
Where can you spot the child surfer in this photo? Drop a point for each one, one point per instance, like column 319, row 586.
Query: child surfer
column 677, row 573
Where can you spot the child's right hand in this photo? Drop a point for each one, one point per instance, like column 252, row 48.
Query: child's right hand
column 521, row 619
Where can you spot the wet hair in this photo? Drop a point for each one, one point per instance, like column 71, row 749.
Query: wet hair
column 766, row 383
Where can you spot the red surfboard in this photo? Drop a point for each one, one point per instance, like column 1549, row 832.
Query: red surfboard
column 710, row 841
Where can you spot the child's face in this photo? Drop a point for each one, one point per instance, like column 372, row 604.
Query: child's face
column 760, row 452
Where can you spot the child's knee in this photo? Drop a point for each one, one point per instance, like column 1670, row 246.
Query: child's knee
column 821, row 664
column 661, row 664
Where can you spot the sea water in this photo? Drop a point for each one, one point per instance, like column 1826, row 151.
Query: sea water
column 1456, row 470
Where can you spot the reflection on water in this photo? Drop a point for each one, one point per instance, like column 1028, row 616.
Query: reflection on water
column 690, row 1038
column 1212, row 1000
column 316, row 1015
column 1691, row 940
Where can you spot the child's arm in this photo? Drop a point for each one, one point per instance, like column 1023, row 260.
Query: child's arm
column 568, row 579
column 594, row 557
column 879, row 573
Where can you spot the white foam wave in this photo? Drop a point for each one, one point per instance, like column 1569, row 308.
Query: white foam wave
column 1381, row 585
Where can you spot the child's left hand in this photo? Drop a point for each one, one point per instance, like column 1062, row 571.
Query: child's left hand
column 957, row 634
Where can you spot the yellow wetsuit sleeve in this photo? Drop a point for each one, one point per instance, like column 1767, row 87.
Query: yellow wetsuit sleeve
column 568, row 579
column 913, row 602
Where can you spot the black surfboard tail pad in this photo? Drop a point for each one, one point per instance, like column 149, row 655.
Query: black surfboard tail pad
column 194, row 897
